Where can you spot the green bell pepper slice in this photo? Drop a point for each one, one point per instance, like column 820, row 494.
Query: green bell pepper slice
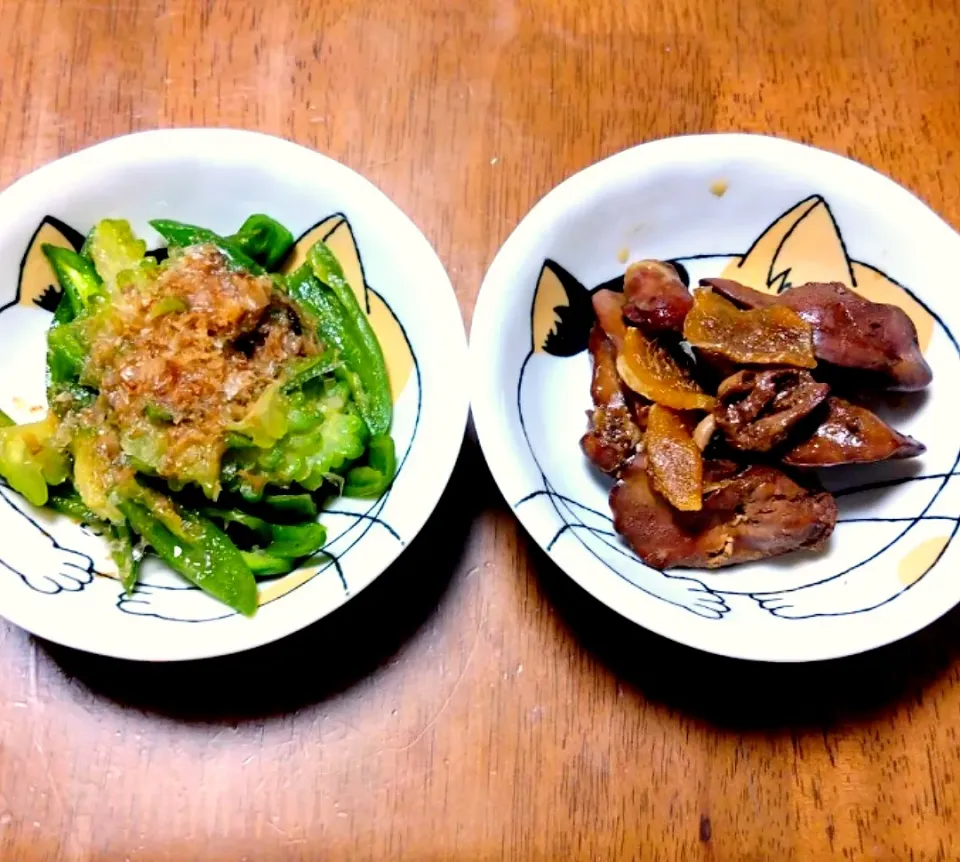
column 78, row 277
column 293, row 541
column 194, row 547
column 264, row 565
column 338, row 328
column 264, row 239
column 180, row 235
column 301, row 506
column 373, row 368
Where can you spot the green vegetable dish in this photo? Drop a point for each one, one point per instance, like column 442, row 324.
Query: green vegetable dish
column 203, row 403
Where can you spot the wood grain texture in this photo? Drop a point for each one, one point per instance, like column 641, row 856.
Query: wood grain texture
column 474, row 704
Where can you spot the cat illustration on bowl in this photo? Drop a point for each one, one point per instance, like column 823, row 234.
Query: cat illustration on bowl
column 903, row 514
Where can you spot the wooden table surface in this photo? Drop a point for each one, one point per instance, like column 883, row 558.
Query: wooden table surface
column 474, row 704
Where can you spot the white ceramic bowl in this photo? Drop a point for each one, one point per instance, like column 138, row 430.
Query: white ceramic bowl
column 770, row 213
column 216, row 177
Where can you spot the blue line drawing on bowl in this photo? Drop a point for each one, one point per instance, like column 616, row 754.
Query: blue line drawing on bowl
column 37, row 558
column 561, row 319
column 45, row 565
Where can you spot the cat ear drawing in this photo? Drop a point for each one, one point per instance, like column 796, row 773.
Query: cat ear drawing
column 37, row 286
column 337, row 233
column 562, row 313
column 805, row 244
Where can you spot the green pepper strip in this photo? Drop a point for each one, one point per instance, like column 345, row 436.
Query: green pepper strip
column 264, row 239
column 157, row 413
column 235, row 440
column 64, row 311
column 182, row 235
column 338, row 329
column 310, row 369
column 194, row 547
column 236, row 516
column 167, row 305
column 66, row 350
column 69, row 503
column 78, row 278
column 66, row 355
column 289, row 541
column 373, row 478
column 301, row 505
column 263, row 564
column 373, row 368
column 121, row 550
column 6, row 421
column 292, row 541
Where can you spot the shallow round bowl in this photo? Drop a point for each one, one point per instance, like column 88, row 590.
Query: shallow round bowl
column 55, row 577
column 772, row 214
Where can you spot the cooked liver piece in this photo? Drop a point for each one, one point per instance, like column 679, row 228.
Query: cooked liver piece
column 656, row 299
column 848, row 331
column 850, row 434
column 608, row 306
column 613, row 434
column 749, row 513
column 759, row 409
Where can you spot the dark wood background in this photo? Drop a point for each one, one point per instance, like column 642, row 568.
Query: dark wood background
column 473, row 704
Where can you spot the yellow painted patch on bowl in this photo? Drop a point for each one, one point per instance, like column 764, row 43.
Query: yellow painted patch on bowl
column 549, row 297
column 919, row 561
column 285, row 585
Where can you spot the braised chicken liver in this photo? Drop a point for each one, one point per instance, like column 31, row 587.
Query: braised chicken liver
column 656, row 299
column 759, row 409
column 657, row 426
column 749, row 513
column 849, row 332
column 850, row 434
column 613, row 434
